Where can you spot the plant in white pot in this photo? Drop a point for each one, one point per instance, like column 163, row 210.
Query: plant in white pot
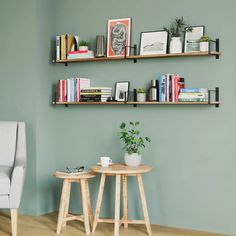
column 133, row 142
column 83, row 45
column 141, row 95
column 175, row 31
column 204, row 43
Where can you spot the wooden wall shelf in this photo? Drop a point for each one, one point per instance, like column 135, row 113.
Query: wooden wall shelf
column 136, row 103
column 138, row 57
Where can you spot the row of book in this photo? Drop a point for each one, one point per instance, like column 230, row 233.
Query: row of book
column 68, row 90
column 65, row 44
column 172, row 89
column 95, row 94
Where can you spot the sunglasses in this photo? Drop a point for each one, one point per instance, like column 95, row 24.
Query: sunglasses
column 74, row 170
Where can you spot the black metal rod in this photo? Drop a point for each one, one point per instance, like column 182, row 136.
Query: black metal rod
column 217, row 96
column 217, row 47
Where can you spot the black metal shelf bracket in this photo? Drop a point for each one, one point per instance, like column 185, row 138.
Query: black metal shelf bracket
column 134, row 51
column 217, row 47
column 216, row 93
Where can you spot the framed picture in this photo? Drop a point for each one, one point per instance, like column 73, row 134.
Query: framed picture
column 118, row 37
column 191, row 38
column 153, row 42
column 122, row 91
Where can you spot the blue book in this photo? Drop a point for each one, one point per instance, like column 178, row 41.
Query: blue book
column 162, row 88
column 193, row 90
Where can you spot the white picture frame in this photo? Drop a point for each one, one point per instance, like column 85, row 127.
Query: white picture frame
column 122, row 91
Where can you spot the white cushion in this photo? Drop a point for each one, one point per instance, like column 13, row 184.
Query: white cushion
column 8, row 131
column 5, row 179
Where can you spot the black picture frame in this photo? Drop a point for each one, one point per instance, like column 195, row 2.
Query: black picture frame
column 122, row 91
column 159, row 47
column 193, row 46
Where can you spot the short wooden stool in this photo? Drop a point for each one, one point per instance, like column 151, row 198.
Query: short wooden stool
column 121, row 172
column 63, row 215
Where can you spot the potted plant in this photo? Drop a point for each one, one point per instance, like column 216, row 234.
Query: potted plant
column 175, row 31
column 204, row 43
column 83, row 45
column 133, row 142
column 141, row 95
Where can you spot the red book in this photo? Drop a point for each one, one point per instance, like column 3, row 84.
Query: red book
column 77, row 89
column 63, row 91
column 78, row 52
column 58, row 91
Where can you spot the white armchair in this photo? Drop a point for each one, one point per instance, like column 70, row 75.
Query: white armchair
column 12, row 167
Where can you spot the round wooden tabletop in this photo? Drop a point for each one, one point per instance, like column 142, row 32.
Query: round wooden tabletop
column 121, row 169
column 81, row 175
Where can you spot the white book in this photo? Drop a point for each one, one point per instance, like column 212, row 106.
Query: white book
column 84, row 83
column 58, row 48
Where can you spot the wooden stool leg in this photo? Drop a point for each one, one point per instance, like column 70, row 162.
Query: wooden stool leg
column 144, row 203
column 14, row 216
column 99, row 202
column 90, row 212
column 85, row 206
column 67, row 203
column 125, row 199
column 117, row 206
column 62, row 205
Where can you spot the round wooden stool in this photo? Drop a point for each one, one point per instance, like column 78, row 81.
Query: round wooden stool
column 63, row 215
column 121, row 172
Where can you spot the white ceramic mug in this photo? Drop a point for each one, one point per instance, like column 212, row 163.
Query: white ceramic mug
column 105, row 161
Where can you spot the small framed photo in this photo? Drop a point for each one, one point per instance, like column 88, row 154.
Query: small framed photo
column 192, row 38
column 153, row 42
column 118, row 37
column 122, row 91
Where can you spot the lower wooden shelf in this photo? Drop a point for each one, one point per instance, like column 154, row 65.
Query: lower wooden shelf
column 137, row 103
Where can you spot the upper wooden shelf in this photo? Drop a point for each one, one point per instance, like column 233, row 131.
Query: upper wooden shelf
column 138, row 57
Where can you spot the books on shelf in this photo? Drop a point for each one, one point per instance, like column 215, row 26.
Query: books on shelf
column 80, row 54
column 65, row 44
column 193, row 95
column 95, row 94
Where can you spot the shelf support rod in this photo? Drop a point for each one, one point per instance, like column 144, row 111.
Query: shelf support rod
column 217, row 47
column 135, row 51
column 217, row 91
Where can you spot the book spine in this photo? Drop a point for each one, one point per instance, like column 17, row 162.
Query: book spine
column 58, row 48
column 77, row 89
column 63, row 91
column 68, row 90
column 193, row 90
column 193, row 99
column 96, row 90
column 162, row 89
column 58, row 91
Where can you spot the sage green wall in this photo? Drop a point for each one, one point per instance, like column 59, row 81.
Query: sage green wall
column 192, row 150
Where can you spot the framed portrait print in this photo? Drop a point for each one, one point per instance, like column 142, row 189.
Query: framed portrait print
column 192, row 38
column 122, row 91
column 153, row 42
column 118, row 37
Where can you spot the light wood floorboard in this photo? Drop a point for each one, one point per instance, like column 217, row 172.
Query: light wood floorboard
column 46, row 226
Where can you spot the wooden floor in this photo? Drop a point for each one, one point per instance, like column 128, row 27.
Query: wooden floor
column 46, row 226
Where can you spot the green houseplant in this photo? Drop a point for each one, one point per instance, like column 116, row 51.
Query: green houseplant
column 141, row 95
column 204, row 43
column 83, row 45
column 133, row 143
column 175, row 31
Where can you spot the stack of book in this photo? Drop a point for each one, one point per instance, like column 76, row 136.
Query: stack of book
column 95, row 94
column 80, row 54
column 65, row 44
column 193, row 95
column 68, row 90
column 169, row 87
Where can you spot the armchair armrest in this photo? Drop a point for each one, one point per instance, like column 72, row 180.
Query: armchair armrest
column 17, row 182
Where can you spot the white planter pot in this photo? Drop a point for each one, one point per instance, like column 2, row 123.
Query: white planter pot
column 204, row 46
column 175, row 45
column 141, row 97
column 133, row 159
column 83, row 48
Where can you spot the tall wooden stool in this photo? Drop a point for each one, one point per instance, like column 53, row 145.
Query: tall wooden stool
column 121, row 172
column 63, row 215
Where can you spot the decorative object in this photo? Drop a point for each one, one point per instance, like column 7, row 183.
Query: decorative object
column 175, row 31
column 83, row 45
column 141, row 95
column 153, row 42
column 204, row 43
column 133, row 142
column 118, row 37
column 105, row 161
column 153, row 91
column 192, row 38
column 122, row 91
column 100, row 46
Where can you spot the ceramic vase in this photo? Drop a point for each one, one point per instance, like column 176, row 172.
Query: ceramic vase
column 175, row 45
column 204, row 46
column 133, row 159
column 141, row 97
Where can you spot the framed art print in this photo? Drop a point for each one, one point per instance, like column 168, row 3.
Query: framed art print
column 192, row 38
column 118, row 37
column 153, row 42
column 122, row 91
